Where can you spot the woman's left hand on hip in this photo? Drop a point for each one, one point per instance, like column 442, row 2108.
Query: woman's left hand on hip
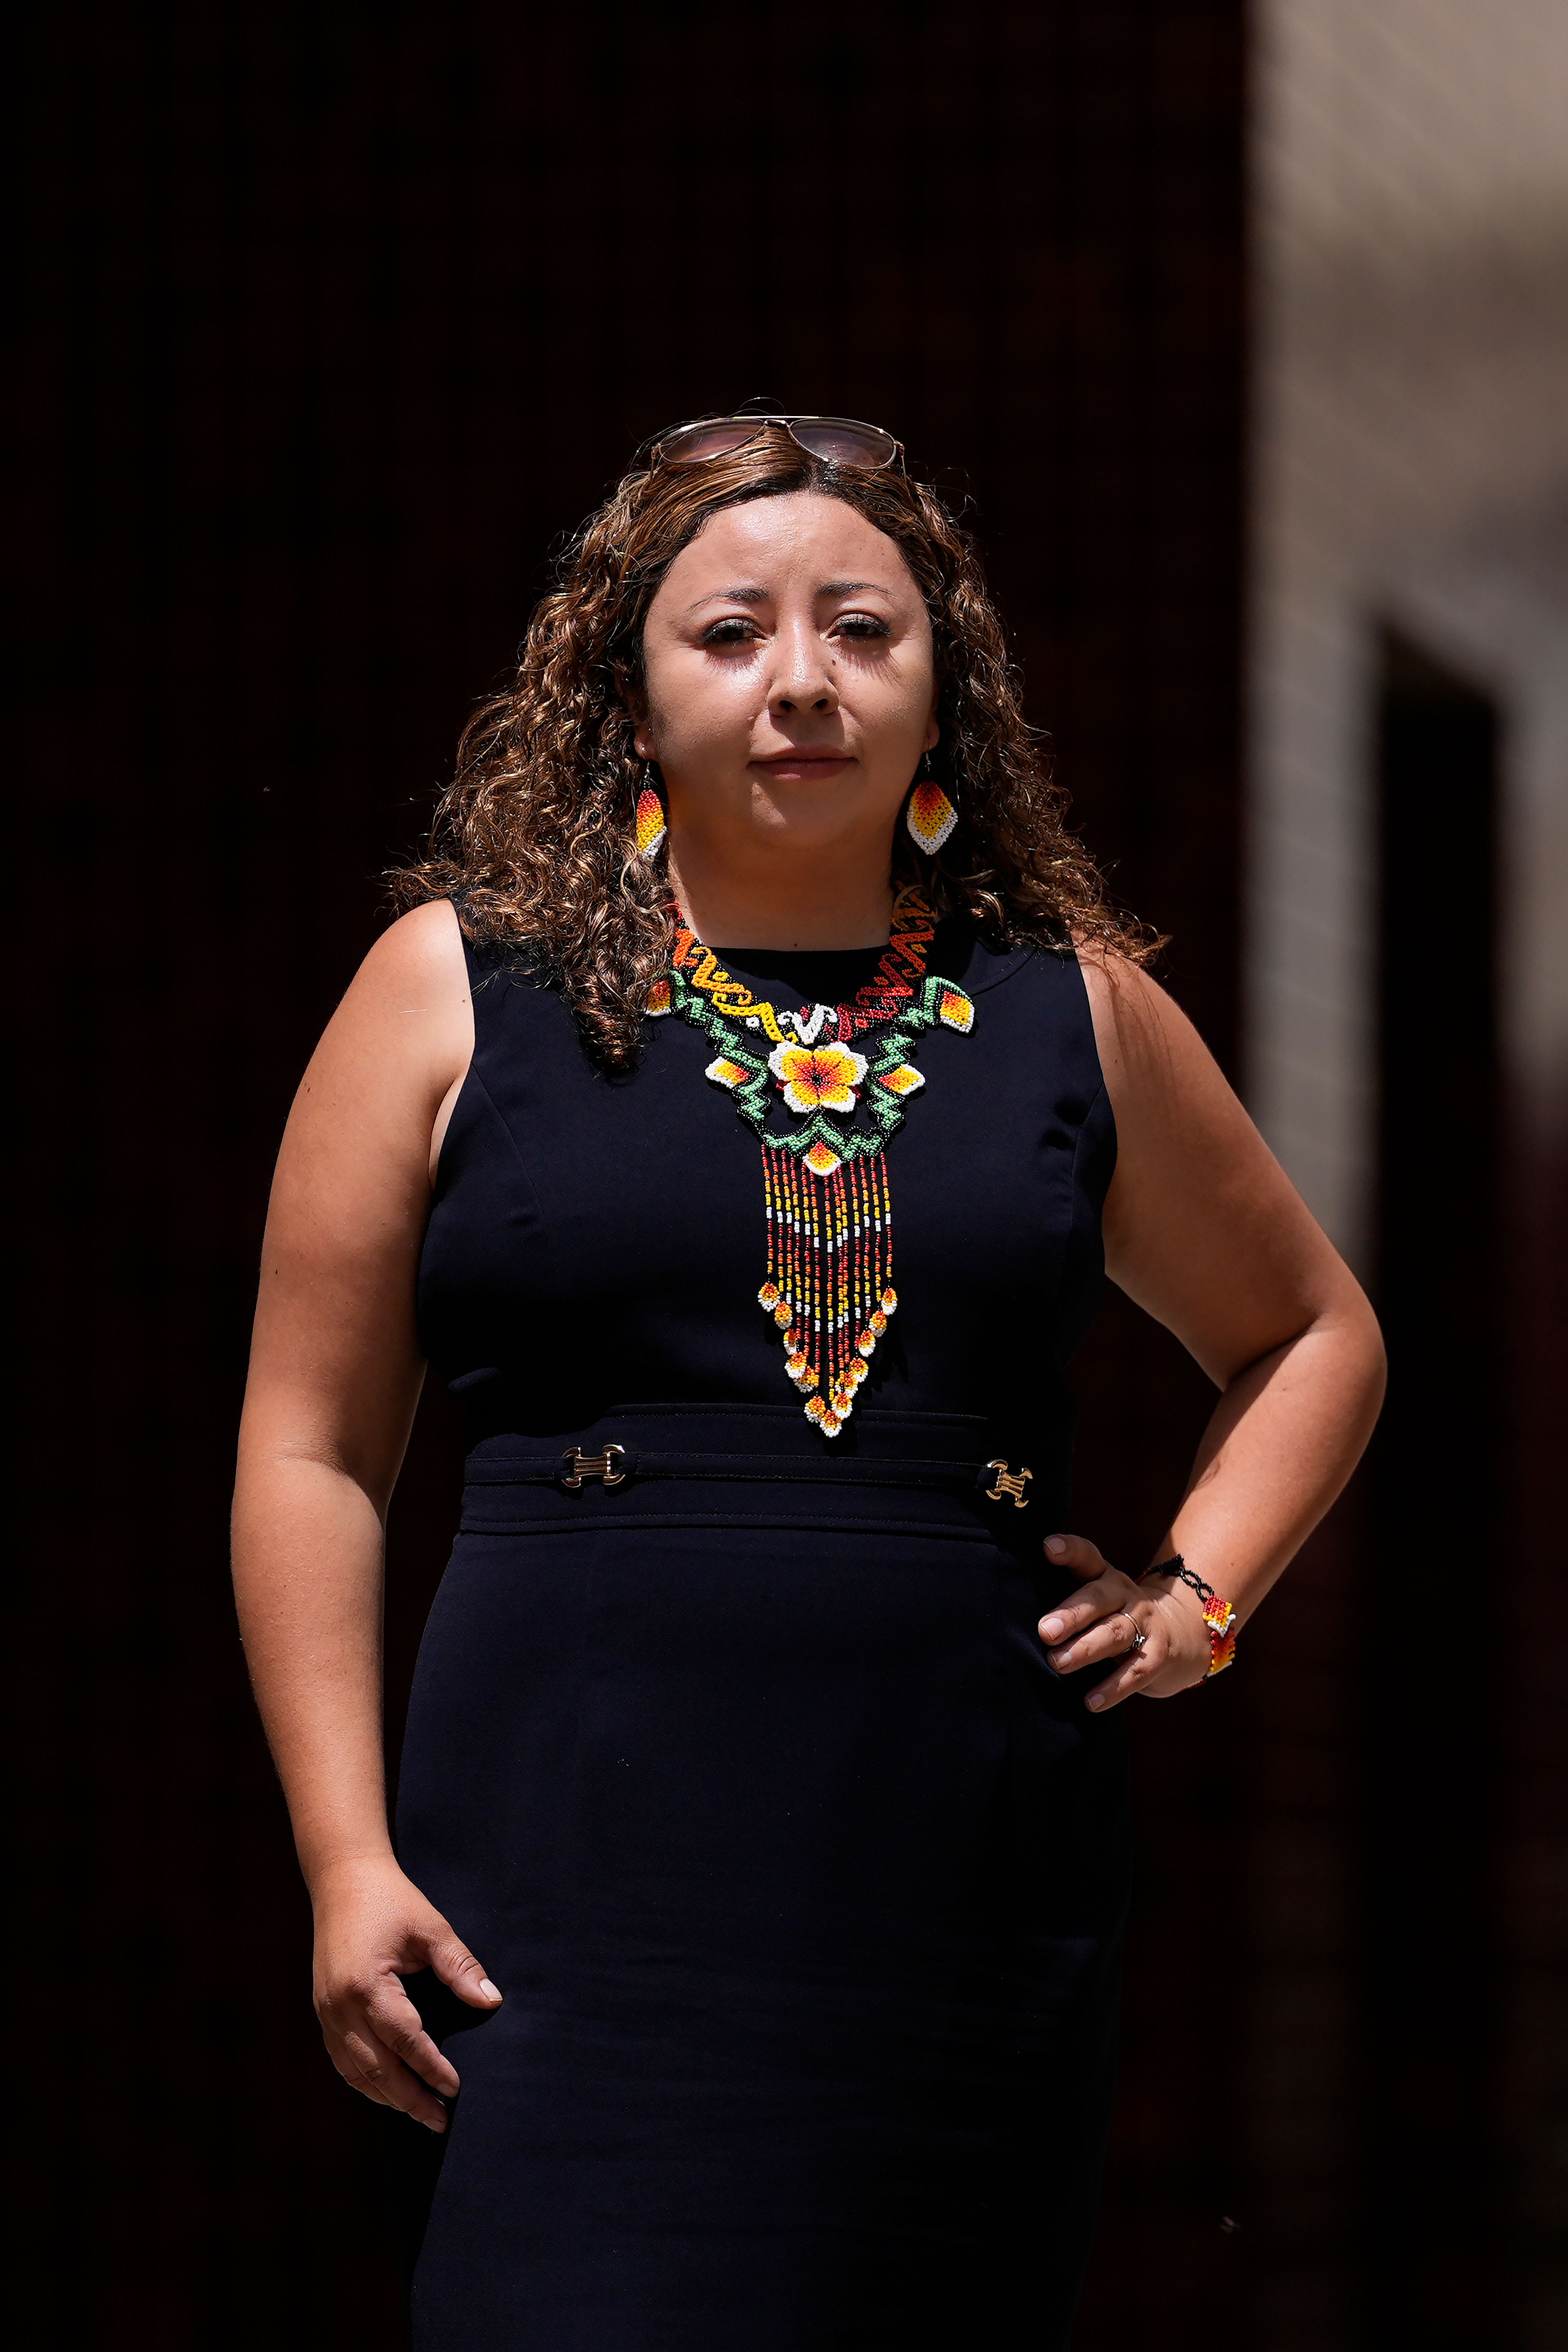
column 1156, row 1638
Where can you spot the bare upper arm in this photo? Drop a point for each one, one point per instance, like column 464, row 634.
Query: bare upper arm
column 335, row 1365
column 1203, row 1227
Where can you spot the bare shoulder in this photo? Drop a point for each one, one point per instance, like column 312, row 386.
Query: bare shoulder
column 419, row 959
column 410, row 997
column 1201, row 1225
column 351, row 1191
column 402, row 1038
column 1150, row 1052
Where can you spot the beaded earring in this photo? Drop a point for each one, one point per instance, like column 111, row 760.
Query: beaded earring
column 929, row 814
column 650, row 823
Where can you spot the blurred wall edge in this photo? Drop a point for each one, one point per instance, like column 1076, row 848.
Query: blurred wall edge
column 1405, row 2064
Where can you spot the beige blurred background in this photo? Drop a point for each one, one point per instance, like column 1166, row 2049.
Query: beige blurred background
column 1405, row 1050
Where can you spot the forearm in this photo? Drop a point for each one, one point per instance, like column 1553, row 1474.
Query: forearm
column 308, row 1567
column 1280, row 1447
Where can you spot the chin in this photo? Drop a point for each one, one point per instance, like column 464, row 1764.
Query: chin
column 795, row 837
column 812, row 817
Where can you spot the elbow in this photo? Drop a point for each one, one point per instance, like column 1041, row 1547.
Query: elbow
column 1366, row 1357
column 1378, row 1364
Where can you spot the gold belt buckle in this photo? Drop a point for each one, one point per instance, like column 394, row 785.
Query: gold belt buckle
column 1008, row 1482
column 592, row 1465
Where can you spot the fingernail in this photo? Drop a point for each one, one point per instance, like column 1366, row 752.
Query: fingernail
column 1095, row 1701
column 435, row 2128
column 490, row 1992
column 1051, row 1628
column 1057, row 1544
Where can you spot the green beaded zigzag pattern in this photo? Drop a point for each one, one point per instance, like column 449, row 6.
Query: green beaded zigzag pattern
column 938, row 1003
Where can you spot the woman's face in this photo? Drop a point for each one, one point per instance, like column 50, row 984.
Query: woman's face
column 789, row 679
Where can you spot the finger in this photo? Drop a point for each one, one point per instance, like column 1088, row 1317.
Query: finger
column 462, row 1974
column 1104, row 1598
column 433, row 2118
column 1077, row 1553
column 355, row 2080
column 1128, row 1678
column 1165, row 1666
column 397, row 2083
column 393, row 2019
column 1115, row 1636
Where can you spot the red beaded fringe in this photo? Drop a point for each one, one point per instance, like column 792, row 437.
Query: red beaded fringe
column 829, row 1286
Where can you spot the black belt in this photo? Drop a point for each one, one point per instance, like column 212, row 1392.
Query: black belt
column 614, row 1465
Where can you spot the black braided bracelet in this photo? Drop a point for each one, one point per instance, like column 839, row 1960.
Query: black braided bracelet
column 1177, row 1567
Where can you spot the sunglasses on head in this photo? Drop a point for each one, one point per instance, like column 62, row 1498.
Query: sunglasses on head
column 838, row 440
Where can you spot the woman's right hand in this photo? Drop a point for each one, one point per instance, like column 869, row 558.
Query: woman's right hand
column 374, row 1927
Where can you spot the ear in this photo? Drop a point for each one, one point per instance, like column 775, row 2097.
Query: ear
column 636, row 703
column 933, row 734
column 642, row 734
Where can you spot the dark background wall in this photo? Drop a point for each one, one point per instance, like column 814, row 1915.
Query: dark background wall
column 337, row 320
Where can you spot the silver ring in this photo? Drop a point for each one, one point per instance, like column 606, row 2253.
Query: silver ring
column 1139, row 1639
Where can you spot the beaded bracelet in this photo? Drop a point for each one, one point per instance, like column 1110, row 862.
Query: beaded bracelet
column 1219, row 1615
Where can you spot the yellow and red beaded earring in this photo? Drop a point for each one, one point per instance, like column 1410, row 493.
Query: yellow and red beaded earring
column 650, row 822
column 929, row 814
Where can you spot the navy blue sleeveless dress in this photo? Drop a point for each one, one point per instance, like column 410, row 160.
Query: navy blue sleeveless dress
column 802, row 1875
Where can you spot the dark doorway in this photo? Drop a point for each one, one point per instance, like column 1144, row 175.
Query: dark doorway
column 1430, row 2249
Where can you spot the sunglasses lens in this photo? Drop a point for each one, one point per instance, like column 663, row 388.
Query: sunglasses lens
column 838, row 440
column 842, row 443
column 697, row 442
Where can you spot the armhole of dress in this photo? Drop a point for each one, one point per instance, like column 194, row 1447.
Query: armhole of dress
column 493, row 969
column 455, row 900
column 472, row 1077
column 1096, row 1136
column 481, row 969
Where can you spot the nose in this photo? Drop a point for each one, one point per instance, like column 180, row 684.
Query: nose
column 803, row 676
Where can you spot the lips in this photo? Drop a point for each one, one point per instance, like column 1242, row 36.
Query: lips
column 806, row 756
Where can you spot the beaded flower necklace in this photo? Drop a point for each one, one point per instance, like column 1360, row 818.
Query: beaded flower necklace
column 829, row 1282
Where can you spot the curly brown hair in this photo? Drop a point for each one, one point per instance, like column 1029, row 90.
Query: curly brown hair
column 535, row 835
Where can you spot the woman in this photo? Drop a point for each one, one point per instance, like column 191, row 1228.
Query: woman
column 761, row 1824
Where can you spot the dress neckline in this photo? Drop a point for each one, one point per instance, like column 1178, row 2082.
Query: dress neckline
column 796, row 955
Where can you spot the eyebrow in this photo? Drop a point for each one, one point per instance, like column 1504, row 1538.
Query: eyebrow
column 760, row 595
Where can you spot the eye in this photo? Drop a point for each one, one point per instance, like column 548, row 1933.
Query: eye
column 733, row 630
column 861, row 627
